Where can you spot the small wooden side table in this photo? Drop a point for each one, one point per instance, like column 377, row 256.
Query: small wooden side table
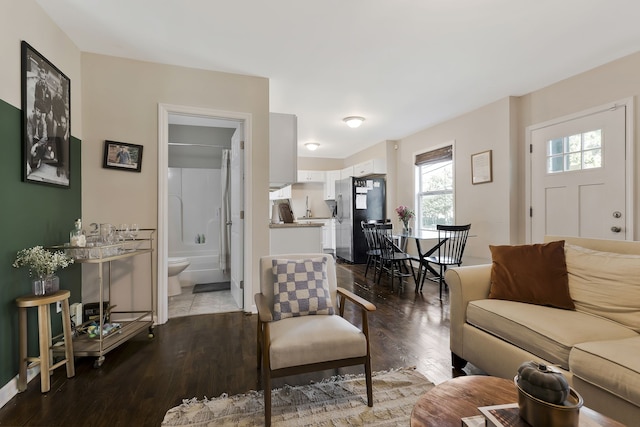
column 44, row 336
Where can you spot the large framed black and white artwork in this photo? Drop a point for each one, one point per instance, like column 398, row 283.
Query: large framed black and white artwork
column 46, row 120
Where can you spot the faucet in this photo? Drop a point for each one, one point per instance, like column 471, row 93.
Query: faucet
column 308, row 211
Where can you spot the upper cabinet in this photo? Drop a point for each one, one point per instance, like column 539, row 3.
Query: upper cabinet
column 282, row 193
column 370, row 167
column 310, row 176
column 330, row 184
column 283, row 149
column 346, row 172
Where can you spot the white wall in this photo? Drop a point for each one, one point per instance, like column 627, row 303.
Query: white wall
column 497, row 210
column 121, row 98
column 485, row 206
column 608, row 83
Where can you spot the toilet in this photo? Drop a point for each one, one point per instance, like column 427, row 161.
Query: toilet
column 175, row 266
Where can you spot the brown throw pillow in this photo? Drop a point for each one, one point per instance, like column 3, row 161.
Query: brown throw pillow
column 535, row 274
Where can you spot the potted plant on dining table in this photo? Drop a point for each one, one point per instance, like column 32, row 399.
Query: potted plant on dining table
column 405, row 214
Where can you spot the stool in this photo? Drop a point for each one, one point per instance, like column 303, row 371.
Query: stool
column 44, row 336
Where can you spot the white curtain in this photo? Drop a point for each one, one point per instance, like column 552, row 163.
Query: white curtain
column 225, row 212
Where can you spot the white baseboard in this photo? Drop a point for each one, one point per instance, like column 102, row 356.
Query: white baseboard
column 10, row 389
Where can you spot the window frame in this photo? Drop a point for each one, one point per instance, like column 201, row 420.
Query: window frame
column 419, row 194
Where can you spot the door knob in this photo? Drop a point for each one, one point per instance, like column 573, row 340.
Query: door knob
column 616, row 229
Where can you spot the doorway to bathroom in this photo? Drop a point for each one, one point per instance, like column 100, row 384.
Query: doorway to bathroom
column 201, row 198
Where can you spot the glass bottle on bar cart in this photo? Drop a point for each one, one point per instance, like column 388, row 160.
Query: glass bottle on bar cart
column 76, row 236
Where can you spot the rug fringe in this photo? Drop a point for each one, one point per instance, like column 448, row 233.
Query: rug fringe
column 340, row 397
column 257, row 393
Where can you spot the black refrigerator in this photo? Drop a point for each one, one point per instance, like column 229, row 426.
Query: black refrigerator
column 357, row 199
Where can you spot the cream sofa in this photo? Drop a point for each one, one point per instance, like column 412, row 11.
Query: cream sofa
column 597, row 345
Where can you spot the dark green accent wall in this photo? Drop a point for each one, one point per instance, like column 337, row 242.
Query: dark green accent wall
column 30, row 214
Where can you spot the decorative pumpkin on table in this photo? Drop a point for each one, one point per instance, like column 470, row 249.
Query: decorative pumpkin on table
column 545, row 398
column 544, row 383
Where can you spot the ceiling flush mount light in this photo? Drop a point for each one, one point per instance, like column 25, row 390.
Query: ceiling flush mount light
column 312, row 146
column 353, row 121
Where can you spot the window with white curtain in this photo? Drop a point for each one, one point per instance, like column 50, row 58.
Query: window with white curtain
column 434, row 188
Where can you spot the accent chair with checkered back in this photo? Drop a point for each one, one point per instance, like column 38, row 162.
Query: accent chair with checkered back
column 300, row 323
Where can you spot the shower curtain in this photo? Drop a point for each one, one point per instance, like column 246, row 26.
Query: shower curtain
column 225, row 212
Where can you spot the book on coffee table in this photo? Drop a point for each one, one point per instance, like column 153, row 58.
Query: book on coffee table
column 503, row 415
column 475, row 421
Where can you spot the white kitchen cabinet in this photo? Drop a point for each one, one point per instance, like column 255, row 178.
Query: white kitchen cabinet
column 295, row 239
column 346, row 172
column 283, row 149
column 310, row 176
column 330, row 184
column 370, row 167
column 328, row 232
column 282, row 193
column 329, row 236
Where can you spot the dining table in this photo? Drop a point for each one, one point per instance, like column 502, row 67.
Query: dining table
column 430, row 240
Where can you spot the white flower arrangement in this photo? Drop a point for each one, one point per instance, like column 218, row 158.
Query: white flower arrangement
column 41, row 262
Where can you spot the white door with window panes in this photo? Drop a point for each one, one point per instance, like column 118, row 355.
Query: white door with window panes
column 578, row 177
column 434, row 188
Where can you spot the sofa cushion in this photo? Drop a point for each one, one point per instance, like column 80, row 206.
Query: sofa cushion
column 606, row 284
column 536, row 274
column 613, row 365
column 302, row 340
column 300, row 287
column 547, row 332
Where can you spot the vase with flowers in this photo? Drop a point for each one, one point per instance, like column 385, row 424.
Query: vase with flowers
column 42, row 265
column 405, row 214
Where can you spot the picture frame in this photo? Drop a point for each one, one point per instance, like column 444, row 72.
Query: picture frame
column 481, row 167
column 123, row 156
column 46, row 120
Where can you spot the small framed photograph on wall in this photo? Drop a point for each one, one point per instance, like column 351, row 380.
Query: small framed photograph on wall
column 46, row 120
column 481, row 168
column 120, row 155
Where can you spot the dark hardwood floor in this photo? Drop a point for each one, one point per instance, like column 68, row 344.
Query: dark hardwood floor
column 207, row 355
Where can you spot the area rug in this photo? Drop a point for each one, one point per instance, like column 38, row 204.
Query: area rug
column 211, row 287
column 338, row 401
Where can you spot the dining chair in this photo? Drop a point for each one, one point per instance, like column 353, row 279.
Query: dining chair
column 392, row 257
column 373, row 249
column 452, row 240
column 301, row 327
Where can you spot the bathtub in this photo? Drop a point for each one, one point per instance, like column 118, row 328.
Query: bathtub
column 204, row 267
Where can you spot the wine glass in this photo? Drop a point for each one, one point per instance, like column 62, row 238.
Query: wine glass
column 123, row 231
column 133, row 230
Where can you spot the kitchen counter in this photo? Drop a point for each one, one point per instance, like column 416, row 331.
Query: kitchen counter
column 311, row 218
column 296, row 224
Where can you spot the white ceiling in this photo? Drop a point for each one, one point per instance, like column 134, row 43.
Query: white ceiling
column 405, row 65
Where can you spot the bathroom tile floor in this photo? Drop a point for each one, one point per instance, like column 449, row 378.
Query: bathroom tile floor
column 189, row 304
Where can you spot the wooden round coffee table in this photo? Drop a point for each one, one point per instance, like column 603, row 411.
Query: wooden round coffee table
column 447, row 403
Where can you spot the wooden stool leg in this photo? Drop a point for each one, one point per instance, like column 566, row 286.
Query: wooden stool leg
column 22, row 332
column 44, row 338
column 68, row 339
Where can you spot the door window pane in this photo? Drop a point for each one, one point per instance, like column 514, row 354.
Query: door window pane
column 573, row 162
column 592, row 139
column 554, row 164
column 573, row 143
column 592, row 159
column 555, row 146
column 575, row 152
